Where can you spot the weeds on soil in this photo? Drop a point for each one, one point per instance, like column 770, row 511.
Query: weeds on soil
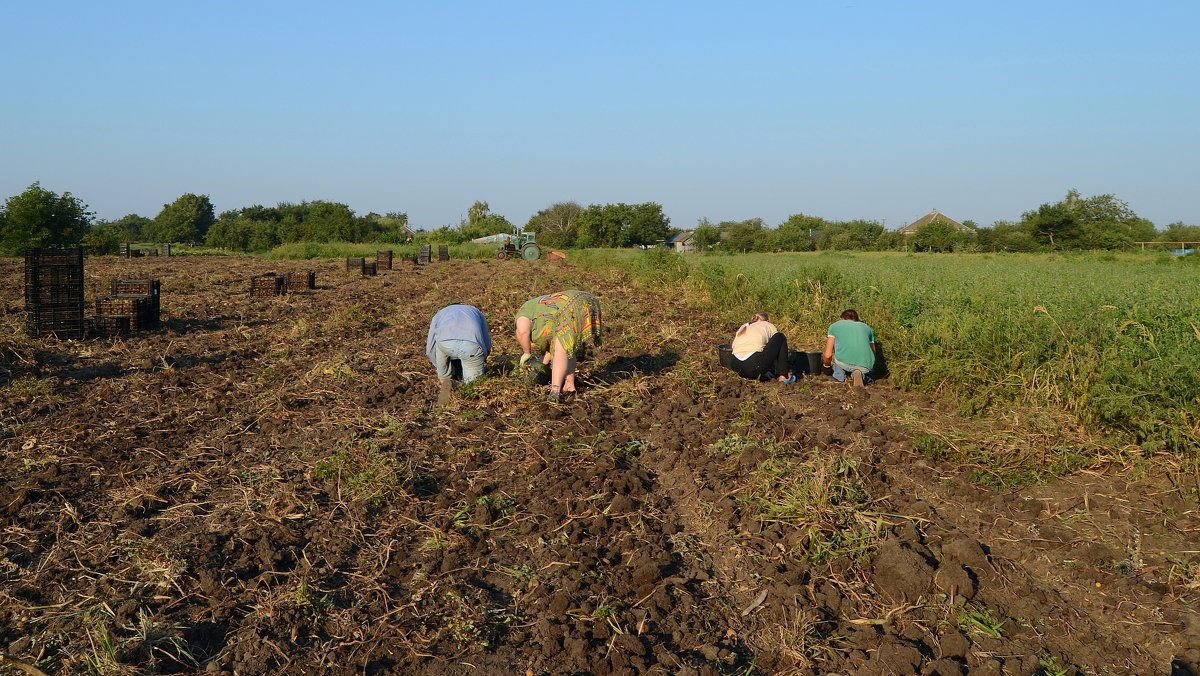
column 822, row 495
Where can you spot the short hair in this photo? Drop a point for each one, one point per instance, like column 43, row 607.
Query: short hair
column 850, row 314
column 761, row 316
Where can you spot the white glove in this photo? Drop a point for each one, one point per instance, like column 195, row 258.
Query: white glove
column 524, row 359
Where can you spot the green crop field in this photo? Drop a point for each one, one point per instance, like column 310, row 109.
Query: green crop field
column 1113, row 340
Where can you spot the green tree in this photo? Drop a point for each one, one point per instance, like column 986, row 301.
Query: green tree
column 104, row 237
column 42, row 218
column 798, row 232
column 230, row 231
column 330, row 222
column 481, row 222
column 938, row 235
column 859, row 235
column 132, row 227
column 1102, row 222
column 444, row 234
column 620, row 225
column 599, row 225
column 891, row 240
column 556, row 225
column 745, row 236
column 1180, row 232
column 392, row 227
column 1006, row 236
column 646, row 224
column 187, row 219
column 707, row 235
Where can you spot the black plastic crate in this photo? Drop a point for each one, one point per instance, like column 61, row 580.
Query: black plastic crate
column 299, row 281
column 53, row 276
column 112, row 325
column 141, row 310
column 67, row 256
column 269, row 284
column 62, row 320
column 149, row 288
column 354, row 263
column 443, row 253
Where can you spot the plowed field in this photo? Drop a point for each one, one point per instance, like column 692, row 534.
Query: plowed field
column 264, row 485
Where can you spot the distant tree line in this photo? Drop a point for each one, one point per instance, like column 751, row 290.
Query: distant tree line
column 40, row 217
column 568, row 225
column 1076, row 222
column 259, row 228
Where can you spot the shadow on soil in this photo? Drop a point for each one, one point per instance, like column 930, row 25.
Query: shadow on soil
column 623, row 367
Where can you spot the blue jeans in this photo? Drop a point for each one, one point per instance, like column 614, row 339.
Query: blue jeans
column 842, row 370
column 468, row 353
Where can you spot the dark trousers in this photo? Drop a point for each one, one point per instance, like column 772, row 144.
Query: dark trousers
column 772, row 360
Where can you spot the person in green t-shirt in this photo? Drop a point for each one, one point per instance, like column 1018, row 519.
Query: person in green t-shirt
column 850, row 349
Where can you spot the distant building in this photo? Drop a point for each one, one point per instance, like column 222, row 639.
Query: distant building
column 682, row 241
column 935, row 215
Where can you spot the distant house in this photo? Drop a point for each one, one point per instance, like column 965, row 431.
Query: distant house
column 682, row 241
column 935, row 215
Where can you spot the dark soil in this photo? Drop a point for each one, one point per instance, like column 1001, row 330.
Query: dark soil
column 264, row 485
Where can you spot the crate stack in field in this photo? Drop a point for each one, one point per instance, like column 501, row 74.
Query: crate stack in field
column 383, row 260
column 54, row 292
column 443, row 253
column 370, row 268
column 299, row 281
column 127, row 251
column 426, row 252
column 166, row 250
column 355, row 264
column 268, row 284
column 133, row 305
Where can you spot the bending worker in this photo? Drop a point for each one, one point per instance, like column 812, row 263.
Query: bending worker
column 458, row 340
column 760, row 351
column 556, row 325
column 850, row 349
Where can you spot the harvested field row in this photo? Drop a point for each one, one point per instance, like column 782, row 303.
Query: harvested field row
column 264, row 484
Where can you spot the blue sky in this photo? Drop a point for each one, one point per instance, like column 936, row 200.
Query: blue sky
column 845, row 109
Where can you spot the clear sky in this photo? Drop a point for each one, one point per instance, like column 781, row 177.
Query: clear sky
column 842, row 109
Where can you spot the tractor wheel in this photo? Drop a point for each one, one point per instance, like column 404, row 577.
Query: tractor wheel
column 501, row 254
column 530, row 252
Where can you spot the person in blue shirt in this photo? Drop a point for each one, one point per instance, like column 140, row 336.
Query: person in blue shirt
column 458, row 335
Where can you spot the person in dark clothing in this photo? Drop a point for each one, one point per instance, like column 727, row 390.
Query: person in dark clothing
column 760, row 351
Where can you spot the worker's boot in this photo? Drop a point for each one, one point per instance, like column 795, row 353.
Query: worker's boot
column 445, row 389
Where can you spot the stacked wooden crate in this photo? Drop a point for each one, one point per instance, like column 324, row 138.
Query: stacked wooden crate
column 383, row 260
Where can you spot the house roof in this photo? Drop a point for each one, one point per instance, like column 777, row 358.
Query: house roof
column 930, row 217
column 681, row 236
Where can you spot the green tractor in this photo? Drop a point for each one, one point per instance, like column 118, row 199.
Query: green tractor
column 520, row 245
